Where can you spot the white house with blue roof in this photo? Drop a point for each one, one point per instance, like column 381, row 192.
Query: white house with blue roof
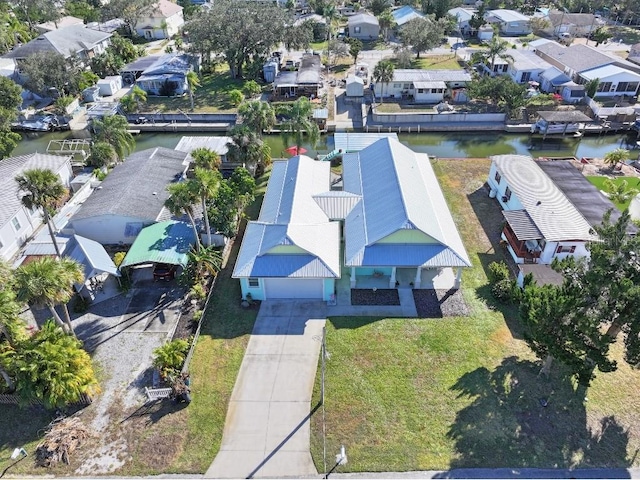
column 391, row 215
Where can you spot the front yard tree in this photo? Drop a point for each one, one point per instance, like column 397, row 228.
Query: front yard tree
column 502, row 90
column 193, row 82
column 497, row 48
column 601, row 35
column 48, row 281
column 51, row 367
column 422, row 34
column 206, row 184
column 241, row 30
column 259, row 116
column 298, row 122
column 43, row 190
column 114, row 130
column 183, row 197
column 619, row 192
column 48, row 70
column 355, row 47
column 383, row 73
column 387, row 22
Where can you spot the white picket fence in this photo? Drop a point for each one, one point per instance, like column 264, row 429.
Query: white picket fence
column 157, row 393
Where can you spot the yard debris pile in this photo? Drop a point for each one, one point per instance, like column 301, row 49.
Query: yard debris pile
column 60, row 441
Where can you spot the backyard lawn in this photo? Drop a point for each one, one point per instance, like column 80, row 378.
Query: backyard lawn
column 464, row 392
column 434, row 62
column 632, row 182
column 211, row 97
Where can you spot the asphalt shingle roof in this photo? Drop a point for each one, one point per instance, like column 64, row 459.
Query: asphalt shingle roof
column 65, row 41
column 580, row 57
column 10, row 168
column 137, row 187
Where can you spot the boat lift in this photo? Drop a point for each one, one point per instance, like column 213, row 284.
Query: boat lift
column 78, row 148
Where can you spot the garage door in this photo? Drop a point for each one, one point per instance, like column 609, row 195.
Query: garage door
column 293, row 288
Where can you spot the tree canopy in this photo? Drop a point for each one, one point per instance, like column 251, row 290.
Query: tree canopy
column 508, row 94
column 422, row 34
column 10, row 100
column 599, row 300
column 49, row 70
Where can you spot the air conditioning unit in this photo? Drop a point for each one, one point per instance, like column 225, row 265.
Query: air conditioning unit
column 505, row 199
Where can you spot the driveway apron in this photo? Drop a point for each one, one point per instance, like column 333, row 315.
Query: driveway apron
column 267, row 432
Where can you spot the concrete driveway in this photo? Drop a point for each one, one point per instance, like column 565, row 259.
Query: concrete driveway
column 267, row 433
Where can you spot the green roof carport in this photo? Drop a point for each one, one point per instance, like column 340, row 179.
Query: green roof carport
column 164, row 242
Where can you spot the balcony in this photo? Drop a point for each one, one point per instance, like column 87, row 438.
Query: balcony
column 518, row 246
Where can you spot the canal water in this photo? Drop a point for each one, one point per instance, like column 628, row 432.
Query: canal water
column 438, row 144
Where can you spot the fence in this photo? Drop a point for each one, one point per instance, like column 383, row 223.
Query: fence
column 11, row 399
column 157, row 393
column 430, row 118
column 184, row 117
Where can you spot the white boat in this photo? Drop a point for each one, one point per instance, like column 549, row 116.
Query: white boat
column 550, row 128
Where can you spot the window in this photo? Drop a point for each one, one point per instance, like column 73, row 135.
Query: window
column 421, row 90
column 627, row 87
column 507, row 195
column 498, row 177
column 407, row 86
column 604, row 87
column 356, row 29
column 16, row 224
column 254, row 282
column 526, row 76
column 397, row 85
column 566, row 249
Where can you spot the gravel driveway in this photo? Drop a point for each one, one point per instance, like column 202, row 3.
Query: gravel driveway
column 121, row 334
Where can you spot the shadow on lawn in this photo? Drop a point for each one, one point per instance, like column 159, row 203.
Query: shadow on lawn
column 518, row 419
column 353, row 322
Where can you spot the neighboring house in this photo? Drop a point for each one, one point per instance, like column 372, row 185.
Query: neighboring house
column 131, row 197
column 424, row 86
column 313, row 17
column 398, row 232
column 525, row 66
column 163, row 21
column 220, row 145
column 509, row 22
column 634, row 54
column 541, row 222
column 63, row 22
column 552, row 79
column 166, row 76
column 17, row 223
column 305, row 82
column 364, row 26
column 76, row 40
column 575, row 24
column 405, row 14
column 582, row 63
column 572, row 92
column 7, row 67
column 462, row 16
column 536, row 43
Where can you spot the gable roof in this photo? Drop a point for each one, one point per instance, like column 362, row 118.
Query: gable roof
column 526, row 60
column 462, row 14
column 137, row 187
column 551, row 211
column 405, row 14
column 399, row 192
column 163, row 9
column 10, row 168
column 557, row 18
column 580, row 57
column 411, row 75
column 606, row 71
column 554, row 76
column 62, row 22
column 65, row 41
column 168, row 64
column 363, row 18
column 291, row 217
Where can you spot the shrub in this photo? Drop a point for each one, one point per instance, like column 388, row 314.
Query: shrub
column 170, row 357
column 118, row 258
column 198, row 292
column 498, row 271
column 251, row 88
column 502, row 290
column 236, row 97
column 197, row 315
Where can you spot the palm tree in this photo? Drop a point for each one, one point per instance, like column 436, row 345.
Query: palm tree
column 42, row 189
column 205, row 158
column 114, row 129
column 258, row 116
column 619, row 192
column 248, row 148
column 183, row 196
column 48, row 281
column 206, row 183
column 383, row 74
column 616, row 156
column 497, row 49
column 206, row 260
column 299, row 122
column 193, row 82
column 386, row 21
column 131, row 102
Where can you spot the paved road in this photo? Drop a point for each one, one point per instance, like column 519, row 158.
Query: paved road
column 266, row 432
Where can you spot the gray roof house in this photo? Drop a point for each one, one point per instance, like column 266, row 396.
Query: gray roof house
column 131, row 197
column 509, row 22
column 73, row 40
column 167, row 75
column 576, row 24
column 17, row 223
column 398, row 231
column 364, row 26
column 580, row 62
column 303, row 82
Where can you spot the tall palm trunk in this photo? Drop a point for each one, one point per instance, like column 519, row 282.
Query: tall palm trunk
column 195, row 228
column 206, row 220
column 67, row 319
column 52, row 234
column 58, row 320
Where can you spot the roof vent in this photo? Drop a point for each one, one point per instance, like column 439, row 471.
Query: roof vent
column 154, row 193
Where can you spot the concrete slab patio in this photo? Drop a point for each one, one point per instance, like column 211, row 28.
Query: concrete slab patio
column 267, row 431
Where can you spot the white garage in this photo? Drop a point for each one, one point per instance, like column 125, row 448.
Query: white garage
column 293, row 288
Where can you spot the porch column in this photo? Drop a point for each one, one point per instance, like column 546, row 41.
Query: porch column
column 418, row 280
column 353, row 277
column 456, row 285
column 392, row 280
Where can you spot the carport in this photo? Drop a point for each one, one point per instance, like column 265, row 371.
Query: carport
column 164, row 242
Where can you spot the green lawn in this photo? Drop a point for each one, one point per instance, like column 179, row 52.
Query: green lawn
column 464, row 392
column 434, row 62
column 319, row 46
column 211, row 97
column 632, row 182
